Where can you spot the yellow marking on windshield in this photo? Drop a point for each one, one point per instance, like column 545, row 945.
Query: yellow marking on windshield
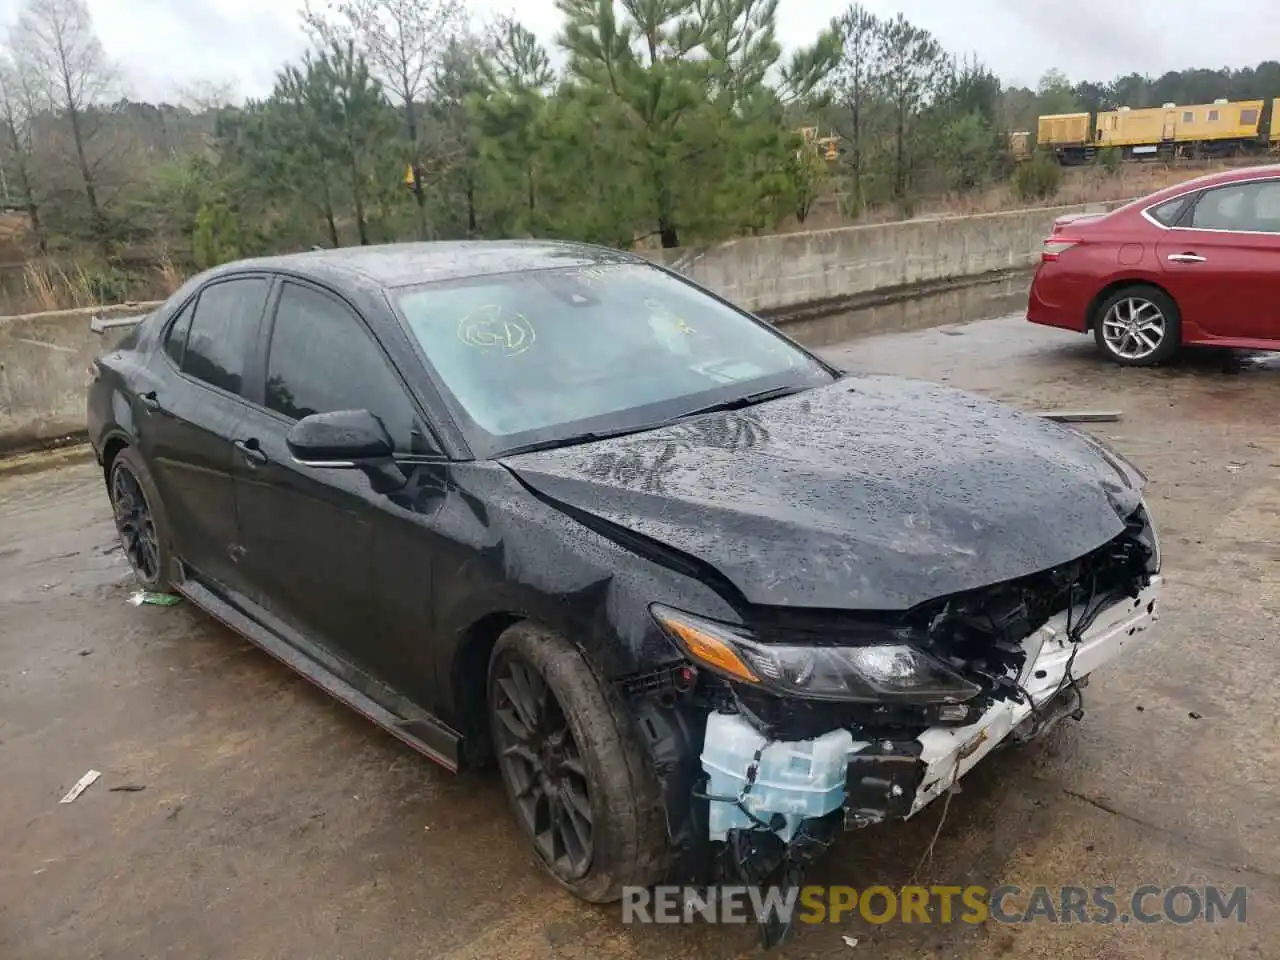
column 491, row 331
column 664, row 312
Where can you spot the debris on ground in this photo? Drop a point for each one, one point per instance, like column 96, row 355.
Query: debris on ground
column 850, row 941
column 158, row 599
column 127, row 788
column 81, row 786
column 1195, row 716
column 1080, row 416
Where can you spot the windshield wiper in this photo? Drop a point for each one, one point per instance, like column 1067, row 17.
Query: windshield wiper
column 576, row 439
column 736, row 403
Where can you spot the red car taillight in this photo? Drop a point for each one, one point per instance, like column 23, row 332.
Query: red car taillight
column 1054, row 247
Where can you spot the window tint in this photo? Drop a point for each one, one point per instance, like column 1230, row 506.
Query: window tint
column 176, row 339
column 1254, row 207
column 321, row 359
column 1169, row 211
column 226, row 321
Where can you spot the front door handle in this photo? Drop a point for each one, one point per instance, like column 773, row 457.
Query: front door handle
column 251, row 451
column 1185, row 258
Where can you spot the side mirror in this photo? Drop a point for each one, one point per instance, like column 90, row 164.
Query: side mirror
column 344, row 438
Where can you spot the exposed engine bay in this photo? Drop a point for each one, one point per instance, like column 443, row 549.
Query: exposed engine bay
column 781, row 775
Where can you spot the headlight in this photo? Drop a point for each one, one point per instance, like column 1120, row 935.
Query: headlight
column 1151, row 536
column 869, row 673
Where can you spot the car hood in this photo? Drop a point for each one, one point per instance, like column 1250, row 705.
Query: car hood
column 872, row 493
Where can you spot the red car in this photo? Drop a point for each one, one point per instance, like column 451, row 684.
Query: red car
column 1197, row 263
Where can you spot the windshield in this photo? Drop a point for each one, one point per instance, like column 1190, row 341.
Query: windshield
column 553, row 355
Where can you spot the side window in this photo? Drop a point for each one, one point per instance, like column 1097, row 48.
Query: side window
column 1188, row 116
column 175, row 341
column 1213, row 116
column 1220, row 209
column 1252, row 207
column 1248, row 117
column 223, row 331
column 1169, row 211
column 321, row 359
column 1266, row 207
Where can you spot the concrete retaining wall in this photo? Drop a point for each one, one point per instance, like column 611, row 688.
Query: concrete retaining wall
column 44, row 364
column 44, row 357
column 778, row 273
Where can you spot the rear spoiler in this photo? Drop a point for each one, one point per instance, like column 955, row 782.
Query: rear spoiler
column 100, row 325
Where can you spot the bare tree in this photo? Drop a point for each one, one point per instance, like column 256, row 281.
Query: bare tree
column 911, row 69
column 404, row 42
column 859, row 32
column 56, row 45
column 17, row 111
column 201, row 96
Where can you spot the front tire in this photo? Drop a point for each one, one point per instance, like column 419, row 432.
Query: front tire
column 575, row 774
column 141, row 521
column 1138, row 326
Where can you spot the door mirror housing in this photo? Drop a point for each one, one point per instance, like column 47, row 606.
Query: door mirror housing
column 341, row 439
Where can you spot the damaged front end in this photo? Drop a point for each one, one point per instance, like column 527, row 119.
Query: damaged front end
column 817, row 722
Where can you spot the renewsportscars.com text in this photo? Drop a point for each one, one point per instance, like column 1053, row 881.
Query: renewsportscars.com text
column 1149, row 903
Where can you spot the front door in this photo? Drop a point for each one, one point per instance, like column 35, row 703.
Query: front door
column 318, row 539
column 192, row 411
column 1222, row 262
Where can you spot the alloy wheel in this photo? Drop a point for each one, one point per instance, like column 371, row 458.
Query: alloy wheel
column 543, row 767
column 135, row 524
column 1133, row 328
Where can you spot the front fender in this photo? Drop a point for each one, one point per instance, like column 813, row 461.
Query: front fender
column 526, row 560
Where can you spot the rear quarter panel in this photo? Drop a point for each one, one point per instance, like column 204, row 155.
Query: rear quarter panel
column 109, row 405
column 1112, row 252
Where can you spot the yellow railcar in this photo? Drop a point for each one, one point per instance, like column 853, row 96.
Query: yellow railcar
column 1130, row 128
column 1170, row 130
column 1220, row 120
column 1144, row 131
column 1059, row 130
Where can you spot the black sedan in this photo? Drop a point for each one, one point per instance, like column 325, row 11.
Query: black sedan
column 703, row 598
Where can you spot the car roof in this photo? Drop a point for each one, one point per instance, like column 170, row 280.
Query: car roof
column 1217, row 178
column 403, row 264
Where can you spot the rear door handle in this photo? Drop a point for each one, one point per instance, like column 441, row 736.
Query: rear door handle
column 250, row 450
column 150, row 401
column 1185, row 258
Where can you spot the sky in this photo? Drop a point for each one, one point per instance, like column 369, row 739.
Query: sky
column 166, row 47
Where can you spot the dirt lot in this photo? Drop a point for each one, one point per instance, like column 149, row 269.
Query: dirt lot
column 275, row 823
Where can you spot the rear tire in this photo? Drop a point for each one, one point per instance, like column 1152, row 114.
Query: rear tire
column 141, row 521
column 1138, row 326
column 576, row 775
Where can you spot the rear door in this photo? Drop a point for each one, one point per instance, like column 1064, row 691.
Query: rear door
column 319, row 541
column 192, row 415
column 1222, row 262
